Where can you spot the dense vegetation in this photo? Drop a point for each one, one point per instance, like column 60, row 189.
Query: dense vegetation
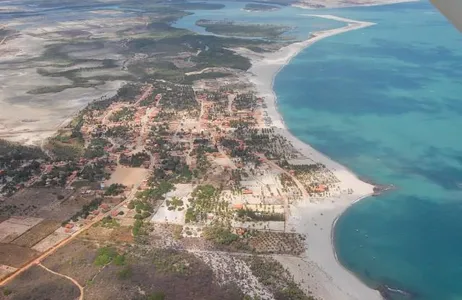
column 96, row 148
column 125, row 114
column 220, row 234
column 17, row 165
column 250, row 215
column 205, row 199
column 231, row 28
column 114, row 189
column 260, row 7
column 134, row 160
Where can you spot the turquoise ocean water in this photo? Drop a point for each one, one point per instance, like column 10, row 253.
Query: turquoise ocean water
column 386, row 101
column 287, row 16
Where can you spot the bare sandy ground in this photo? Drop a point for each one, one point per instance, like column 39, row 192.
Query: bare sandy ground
column 29, row 117
column 32, row 122
column 321, row 271
column 127, row 176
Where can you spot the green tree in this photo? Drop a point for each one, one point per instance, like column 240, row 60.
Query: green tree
column 156, row 296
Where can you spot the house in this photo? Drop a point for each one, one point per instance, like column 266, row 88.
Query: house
column 320, row 188
column 238, row 206
column 247, row 192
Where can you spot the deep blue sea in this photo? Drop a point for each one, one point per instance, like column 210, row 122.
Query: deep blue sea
column 386, row 101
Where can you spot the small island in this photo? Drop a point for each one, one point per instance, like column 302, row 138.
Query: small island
column 257, row 7
column 231, row 28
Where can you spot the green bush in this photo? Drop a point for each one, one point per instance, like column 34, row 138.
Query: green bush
column 137, row 227
column 119, row 260
column 146, row 214
column 220, row 234
column 114, row 189
column 7, row 292
column 105, row 256
column 156, row 296
column 125, row 273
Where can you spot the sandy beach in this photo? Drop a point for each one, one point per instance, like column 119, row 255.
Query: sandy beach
column 318, row 269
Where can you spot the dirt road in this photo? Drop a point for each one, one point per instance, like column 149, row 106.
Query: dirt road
column 69, row 239
column 65, row 276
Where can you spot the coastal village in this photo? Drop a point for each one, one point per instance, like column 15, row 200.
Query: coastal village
column 204, row 163
column 187, row 181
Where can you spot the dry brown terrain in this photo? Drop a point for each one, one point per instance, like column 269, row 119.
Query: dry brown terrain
column 29, row 202
column 74, row 260
column 37, row 233
column 178, row 275
column 15, row 256
column 38, row 284
column 121, row 234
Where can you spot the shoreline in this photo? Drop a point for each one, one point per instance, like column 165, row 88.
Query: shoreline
column 316, row 219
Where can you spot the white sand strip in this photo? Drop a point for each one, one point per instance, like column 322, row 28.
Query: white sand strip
column 333, row 281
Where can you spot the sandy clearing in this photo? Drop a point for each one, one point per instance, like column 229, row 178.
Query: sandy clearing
column 127, row 176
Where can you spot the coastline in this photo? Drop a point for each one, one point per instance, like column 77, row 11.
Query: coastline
column 319, row 270
column 313, row 6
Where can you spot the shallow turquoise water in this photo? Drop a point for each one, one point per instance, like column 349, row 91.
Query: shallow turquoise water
column 287, row 16
column 387, row 101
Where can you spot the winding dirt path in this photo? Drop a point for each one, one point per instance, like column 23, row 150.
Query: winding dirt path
column 65, row 276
